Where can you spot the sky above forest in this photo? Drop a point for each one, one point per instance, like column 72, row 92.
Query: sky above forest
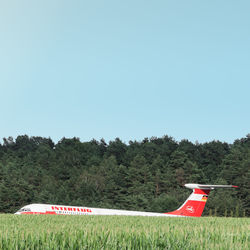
column 127, row 69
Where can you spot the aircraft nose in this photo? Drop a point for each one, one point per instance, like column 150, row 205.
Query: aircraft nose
column 17, row 213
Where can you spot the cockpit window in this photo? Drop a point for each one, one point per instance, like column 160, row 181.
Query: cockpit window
column 24, row 210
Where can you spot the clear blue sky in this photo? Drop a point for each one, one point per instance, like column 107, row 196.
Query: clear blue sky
column 127, row 69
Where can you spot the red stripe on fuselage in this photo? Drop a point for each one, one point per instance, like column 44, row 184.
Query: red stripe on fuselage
column 47, row 212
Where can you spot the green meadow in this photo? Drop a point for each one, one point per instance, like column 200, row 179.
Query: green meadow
column 121, row 232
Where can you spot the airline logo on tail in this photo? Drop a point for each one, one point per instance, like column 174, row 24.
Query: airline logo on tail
column 190, row 209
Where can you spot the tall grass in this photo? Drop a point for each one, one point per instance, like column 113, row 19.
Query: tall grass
column 120, row 232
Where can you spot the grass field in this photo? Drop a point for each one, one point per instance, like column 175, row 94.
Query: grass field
column 119, row 232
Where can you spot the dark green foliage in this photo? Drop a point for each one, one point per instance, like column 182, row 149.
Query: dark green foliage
column 146, row 175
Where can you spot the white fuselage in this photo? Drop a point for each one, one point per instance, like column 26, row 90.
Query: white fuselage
column 72, row 210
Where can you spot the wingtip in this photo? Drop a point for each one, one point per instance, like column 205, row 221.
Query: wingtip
column 235, row 186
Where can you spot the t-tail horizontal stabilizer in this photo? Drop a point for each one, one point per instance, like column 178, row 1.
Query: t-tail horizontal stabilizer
column 195, row 203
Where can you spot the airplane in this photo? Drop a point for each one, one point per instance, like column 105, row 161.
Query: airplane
column 192, row 207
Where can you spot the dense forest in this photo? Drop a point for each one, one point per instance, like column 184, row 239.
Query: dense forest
column 148, row 175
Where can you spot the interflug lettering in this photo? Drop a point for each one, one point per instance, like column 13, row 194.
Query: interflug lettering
column 71, row 209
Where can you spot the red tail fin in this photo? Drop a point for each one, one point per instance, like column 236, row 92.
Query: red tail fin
column 195, row 203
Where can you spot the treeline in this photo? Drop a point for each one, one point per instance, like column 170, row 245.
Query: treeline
column 147, row 175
